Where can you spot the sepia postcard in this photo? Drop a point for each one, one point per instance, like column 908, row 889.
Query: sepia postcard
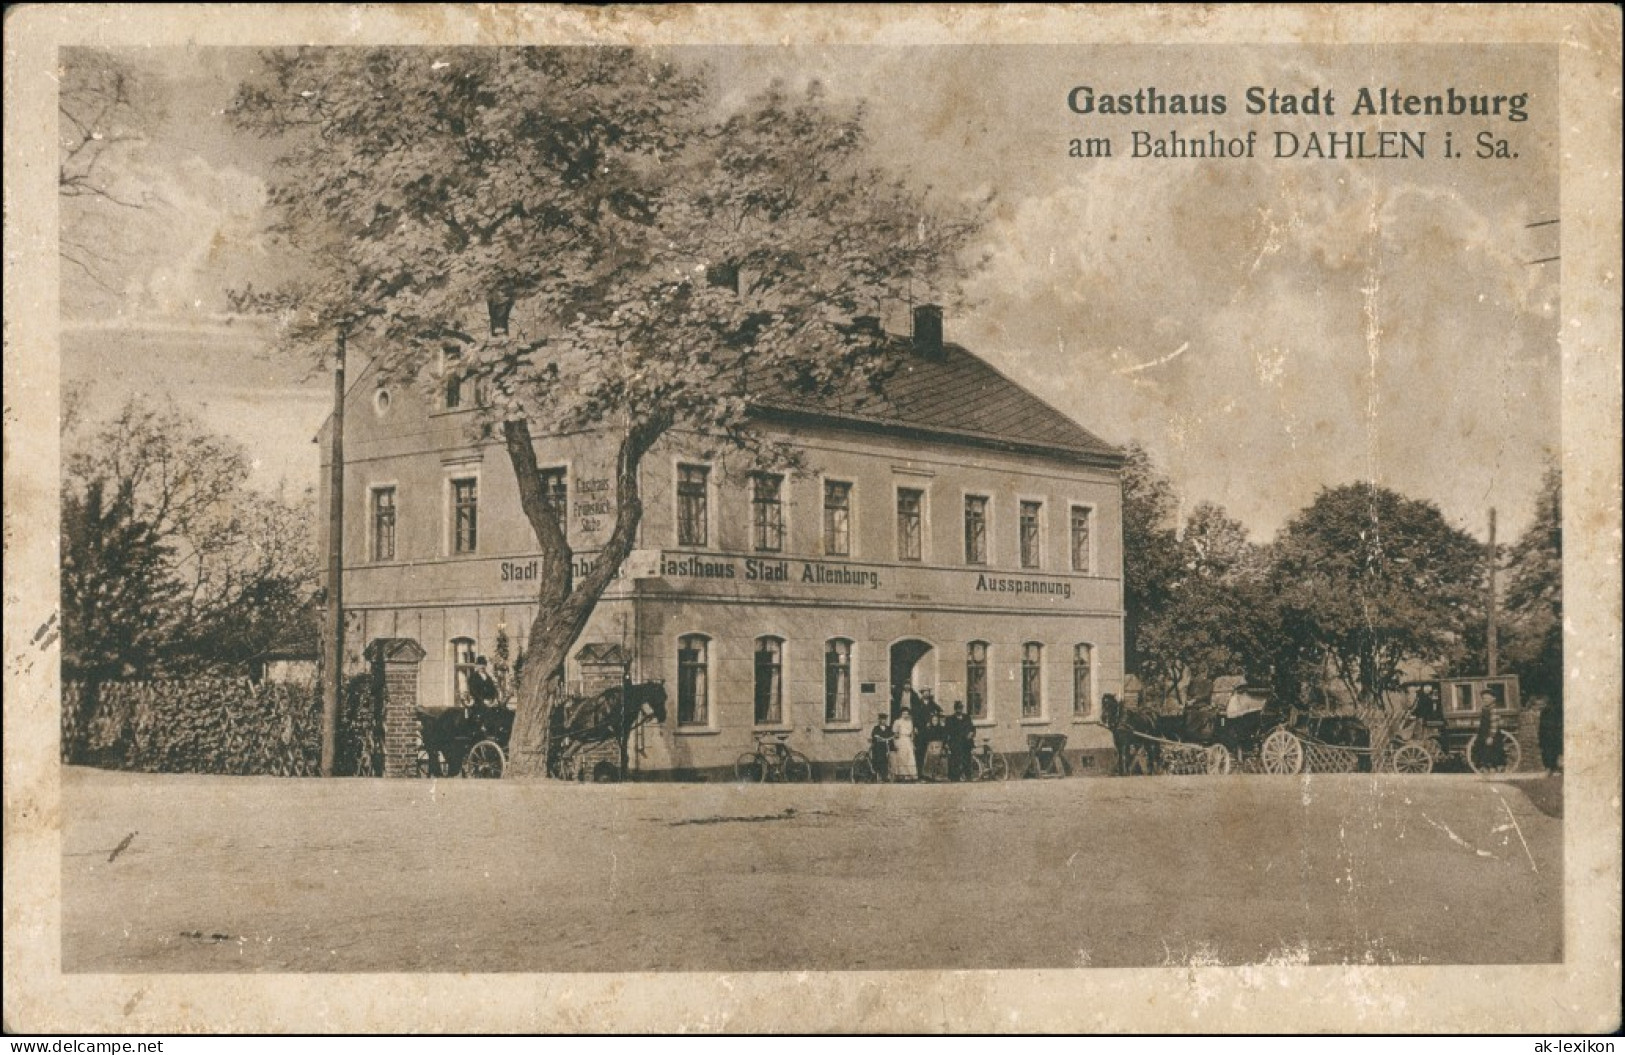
column 767, row 518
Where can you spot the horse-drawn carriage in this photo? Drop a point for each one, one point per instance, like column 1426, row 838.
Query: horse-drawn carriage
column 588, row 736
column 1459, row 720
column 470, row 741
column 1234, row 724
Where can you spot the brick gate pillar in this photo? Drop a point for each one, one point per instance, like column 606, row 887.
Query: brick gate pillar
column 394, row 662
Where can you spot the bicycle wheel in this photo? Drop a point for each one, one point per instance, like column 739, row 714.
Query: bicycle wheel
column 797, row 768
column 863, row 769
column 750, row 768
column 996, row 768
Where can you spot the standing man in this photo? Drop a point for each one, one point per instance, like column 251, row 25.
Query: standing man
column 961, row 743
column 1551, row 736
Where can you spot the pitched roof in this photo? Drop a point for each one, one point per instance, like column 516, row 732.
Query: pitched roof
column 954, row 395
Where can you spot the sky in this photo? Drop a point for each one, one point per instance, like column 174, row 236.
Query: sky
column 1264, row 326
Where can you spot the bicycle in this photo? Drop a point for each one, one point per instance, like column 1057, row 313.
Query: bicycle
column 773, row 760
column 863, row 770
column 990, row 765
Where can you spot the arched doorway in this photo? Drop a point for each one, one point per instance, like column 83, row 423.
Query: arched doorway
column 909, row 669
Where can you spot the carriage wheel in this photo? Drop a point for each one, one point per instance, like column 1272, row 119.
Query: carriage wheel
column 422, row 763
column 1218, row 760
column 863, row 769
column 1412, row 758
column 1514, row 755
column 749, row 768
column 1282, row 753
column 484, row 761
column 994, row 767
column 797, row 768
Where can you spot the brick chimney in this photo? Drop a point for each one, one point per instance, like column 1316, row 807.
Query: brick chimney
column 928, row 331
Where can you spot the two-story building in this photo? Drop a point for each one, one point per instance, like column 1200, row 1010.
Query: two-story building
column 960, row 535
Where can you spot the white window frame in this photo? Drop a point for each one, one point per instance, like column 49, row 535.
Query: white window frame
column 569, row 478
column 677, row 466
column 1094, row 538
column 784, row 509
column 1090, row 712
column 1043, row 715
column 1043, row 531
column 448, row 519
column 373, row 490
column 851, row 517
column 924, row 491
column 710, row 701
column 991, row 716
column 987, row 560
column 852, row 693
column 783, row 639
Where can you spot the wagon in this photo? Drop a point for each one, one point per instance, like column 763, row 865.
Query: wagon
column 1443, row 720
column 466, row 741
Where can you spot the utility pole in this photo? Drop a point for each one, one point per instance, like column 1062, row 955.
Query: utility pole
column 333, row 691
column 1490, row 637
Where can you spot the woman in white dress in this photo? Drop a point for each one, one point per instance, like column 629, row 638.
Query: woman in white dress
column 902, row 759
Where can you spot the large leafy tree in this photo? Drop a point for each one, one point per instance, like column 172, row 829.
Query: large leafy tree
column 604, row 249
column 1534, row 596
column 1369, row 580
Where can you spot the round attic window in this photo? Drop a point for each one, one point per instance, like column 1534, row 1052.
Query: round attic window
column 380, row 402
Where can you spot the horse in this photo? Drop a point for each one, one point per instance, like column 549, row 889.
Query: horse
column 1129, row 728
column 609, row 717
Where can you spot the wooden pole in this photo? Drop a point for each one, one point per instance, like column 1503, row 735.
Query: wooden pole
column 1490, row 637
column 333, row 690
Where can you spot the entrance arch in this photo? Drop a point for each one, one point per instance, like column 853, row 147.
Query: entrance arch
column 912, row 665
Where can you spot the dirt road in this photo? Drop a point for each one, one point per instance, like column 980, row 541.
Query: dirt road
column 261, row 874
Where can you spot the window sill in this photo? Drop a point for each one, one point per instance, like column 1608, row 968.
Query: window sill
column 1085, row 721
column 696, row 730
column 1035, row 721
column 843, row 728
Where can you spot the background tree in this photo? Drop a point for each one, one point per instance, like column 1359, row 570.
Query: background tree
column 1214, row 615
column 602, row 249
column 1150, row 551
column 104, row 111
column 1533, row 645
column 1371, row 579
column 224, row 571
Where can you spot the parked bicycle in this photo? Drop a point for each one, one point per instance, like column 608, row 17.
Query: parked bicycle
column 773, row 760
column 990, row 765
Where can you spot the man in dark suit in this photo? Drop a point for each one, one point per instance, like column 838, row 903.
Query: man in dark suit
column 961, row 732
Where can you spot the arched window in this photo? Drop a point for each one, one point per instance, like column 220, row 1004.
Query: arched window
column 838, row 681
column 1032, row 680
column 976, row 679
column 693, row 680
column 462, row 662
column 769, row 681
column 1083, row 679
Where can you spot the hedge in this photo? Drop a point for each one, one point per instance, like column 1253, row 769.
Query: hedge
column 220, row 725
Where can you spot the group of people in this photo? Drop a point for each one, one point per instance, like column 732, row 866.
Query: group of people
column 901, row 738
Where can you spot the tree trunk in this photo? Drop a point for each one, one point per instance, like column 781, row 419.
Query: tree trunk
column 563, row 605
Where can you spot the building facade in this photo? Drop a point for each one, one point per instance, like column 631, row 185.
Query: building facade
column 962, row 536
